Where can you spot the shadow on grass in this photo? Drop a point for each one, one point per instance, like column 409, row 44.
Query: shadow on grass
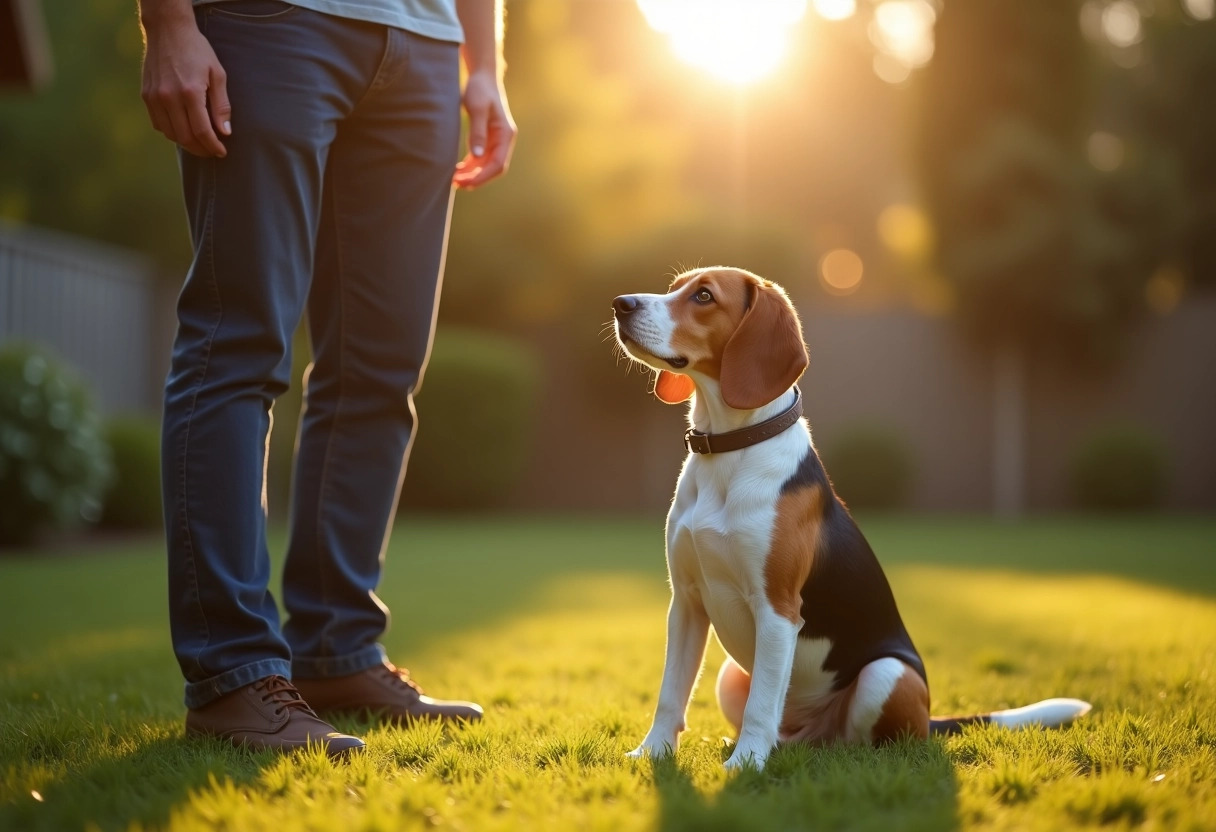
column 909, row 785
column 136, row 789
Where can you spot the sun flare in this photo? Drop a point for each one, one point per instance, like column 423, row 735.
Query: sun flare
column 737, row 41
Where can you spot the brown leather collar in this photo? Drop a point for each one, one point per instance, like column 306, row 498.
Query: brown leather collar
column 720, row 443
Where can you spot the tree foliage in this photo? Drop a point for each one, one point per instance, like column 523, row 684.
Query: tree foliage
column 1172, row 106
column 81, row 155
column 1041, row 248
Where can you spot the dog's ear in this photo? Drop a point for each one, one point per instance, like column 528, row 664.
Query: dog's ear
column 673, row 388
column 766, row 354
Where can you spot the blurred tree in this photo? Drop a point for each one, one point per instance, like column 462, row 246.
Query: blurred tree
column 81, row 155
column 1173, row 106
column 1045, row 254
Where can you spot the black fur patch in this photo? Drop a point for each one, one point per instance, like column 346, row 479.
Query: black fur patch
column 847, row 598
column 954, row 724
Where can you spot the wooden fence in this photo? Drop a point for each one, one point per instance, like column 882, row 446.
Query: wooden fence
column 92, row 305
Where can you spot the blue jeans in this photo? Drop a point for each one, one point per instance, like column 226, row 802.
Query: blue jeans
column 335, row 194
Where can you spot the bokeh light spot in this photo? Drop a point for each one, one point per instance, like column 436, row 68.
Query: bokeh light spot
column 1121, row 23
column 841, row 270
column 1200, row 9
column 903, row 30
column 1105, row 150
column 905, row 230
column 890, row 69
column 1164, row 289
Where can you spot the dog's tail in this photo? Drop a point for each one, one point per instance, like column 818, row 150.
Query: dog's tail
column 1050, row 713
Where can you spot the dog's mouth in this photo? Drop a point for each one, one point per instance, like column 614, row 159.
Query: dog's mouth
column 675, row 362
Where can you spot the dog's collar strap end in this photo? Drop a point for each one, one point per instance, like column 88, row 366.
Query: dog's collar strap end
column 735, row 440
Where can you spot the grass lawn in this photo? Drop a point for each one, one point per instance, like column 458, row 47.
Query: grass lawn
column 556, row 626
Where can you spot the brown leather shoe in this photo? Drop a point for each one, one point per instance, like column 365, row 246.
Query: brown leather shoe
column 270, row 713
column 386, row 692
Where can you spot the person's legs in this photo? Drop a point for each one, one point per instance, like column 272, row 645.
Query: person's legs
column 380, row 250
column 292, row 76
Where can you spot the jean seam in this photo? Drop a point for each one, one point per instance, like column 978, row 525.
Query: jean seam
column 254, row 18
column 323, row 485
column 188, row 539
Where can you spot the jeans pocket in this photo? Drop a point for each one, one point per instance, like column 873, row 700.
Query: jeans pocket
column 253, row 10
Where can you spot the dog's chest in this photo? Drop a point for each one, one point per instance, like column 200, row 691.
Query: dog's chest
column 721, row 533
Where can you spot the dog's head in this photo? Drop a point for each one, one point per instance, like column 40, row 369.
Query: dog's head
column 720, row 324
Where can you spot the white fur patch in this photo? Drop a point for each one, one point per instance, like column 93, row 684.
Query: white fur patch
column 874, row 686
column 652, row 328
column 1049, row 713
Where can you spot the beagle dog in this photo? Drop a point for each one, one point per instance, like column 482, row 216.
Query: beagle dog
column 760, row 547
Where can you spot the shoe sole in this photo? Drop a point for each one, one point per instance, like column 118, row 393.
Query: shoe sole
column 246, row 745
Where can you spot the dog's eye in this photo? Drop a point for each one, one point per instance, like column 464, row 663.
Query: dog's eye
column 703, row 296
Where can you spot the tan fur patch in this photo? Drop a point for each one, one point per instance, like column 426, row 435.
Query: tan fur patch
column 765, row 354
column 703, row 329
column 906, row 711
column 820, row 722
column 792, row 552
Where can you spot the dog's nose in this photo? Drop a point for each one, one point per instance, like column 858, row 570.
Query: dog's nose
column 625, row 305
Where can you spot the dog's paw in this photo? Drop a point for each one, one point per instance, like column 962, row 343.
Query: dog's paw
column 653, row 750
column 747, row 756
column 739, row 760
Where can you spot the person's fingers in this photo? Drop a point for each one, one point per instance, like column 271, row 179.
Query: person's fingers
column 463, row 176
column 200, row 125
column 493, row 166
column 180, row 130
column 158, row 116
column 479, row 128
column 495, row 161
column 158, row 102
column 218, row 105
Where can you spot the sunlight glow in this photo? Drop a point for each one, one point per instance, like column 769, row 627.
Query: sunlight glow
column 835, row 9
column 738, row 41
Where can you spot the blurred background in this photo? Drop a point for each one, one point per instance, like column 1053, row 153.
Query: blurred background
column 997, row 219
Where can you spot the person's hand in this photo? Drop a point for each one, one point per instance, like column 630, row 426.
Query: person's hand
column 184, row 86
column 491, row 132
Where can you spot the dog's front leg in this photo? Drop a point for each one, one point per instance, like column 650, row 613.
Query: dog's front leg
column 687, row 634
column 776, row 639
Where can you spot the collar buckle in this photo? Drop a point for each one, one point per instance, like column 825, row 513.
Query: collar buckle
column 697, row 442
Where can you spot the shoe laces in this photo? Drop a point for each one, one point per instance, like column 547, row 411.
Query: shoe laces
column 277, row 690
column 401, row 676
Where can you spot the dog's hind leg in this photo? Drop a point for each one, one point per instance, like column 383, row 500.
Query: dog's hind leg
column 734, row 684
column 891, row 700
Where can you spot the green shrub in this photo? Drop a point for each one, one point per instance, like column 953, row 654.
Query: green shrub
column 870, row 467
column 133, row 502
column 1119, row 467
column 476, row 411
column 54, row 463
